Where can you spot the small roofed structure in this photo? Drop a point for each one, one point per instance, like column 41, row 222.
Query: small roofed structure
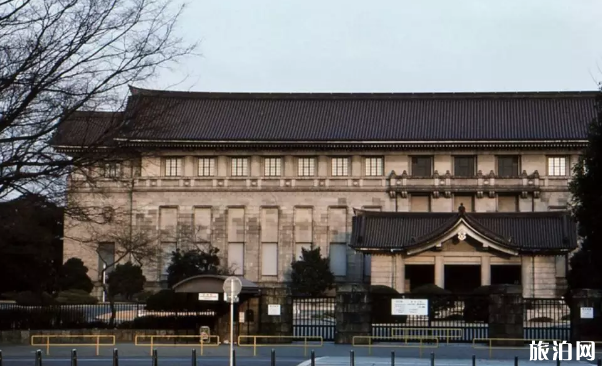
column 213, row 284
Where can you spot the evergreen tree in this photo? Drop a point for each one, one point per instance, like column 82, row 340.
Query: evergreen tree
column 311, row 275
column 126, row 280
column 586, row 188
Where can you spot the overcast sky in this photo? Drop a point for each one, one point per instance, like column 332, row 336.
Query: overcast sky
column 390, row 46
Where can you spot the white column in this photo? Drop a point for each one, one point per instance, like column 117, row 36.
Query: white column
column 485, row 271
column 439, row 272
column 526, row 276
column 400, row 272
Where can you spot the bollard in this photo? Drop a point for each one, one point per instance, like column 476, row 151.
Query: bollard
column 74, row 357
column 515, row 360
column 193, row 357
column 115, row 357
column 0, row 357
column 273, row 357
column 38, row 358
column 558, row 361
column 474, row 360
column 155, row 358
column 313, row 358
column 233, row 357
column 433, row 359
column 392, row 358
column 599, row 362
column 351, row 358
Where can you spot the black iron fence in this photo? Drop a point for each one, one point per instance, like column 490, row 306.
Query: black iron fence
column 314, row 317
column 99, row 316
column 547, row 319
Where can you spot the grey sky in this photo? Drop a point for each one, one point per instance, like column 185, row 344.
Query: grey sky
column 390, row 46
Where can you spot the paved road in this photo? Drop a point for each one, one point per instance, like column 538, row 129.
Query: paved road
column 328, row 355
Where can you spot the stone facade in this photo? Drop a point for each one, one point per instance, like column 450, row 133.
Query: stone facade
column 263, row 220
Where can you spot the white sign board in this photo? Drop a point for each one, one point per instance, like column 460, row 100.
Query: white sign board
column 208, row 297
column 409, row 307
column 274, row 310
column 241, row 316
column 587, row 313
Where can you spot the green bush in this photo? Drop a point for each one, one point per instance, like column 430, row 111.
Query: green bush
column 143, row 296
column 28, row 298
column 37, row 318
column 78, row 297
column 439, row 298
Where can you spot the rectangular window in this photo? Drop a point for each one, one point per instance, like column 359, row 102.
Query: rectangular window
column 338, row 259
column 557, row 166
column 420, row 203
column 340, row 167
column 236, row 258
column 206, row 167
column 508, row 166
column 106, row 258
column 374, row 167
column 306, row 167
column 173, row 167
column 240, row 167
column 464, row 166
column 272, row 167
column 112, row 170
column 422, row 166
column 465, row 200
column 269, row 259
column 507, row 203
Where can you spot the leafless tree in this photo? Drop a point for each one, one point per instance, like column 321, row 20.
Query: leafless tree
column 61, row 57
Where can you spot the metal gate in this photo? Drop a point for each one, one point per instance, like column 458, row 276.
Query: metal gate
column 314, row 317
column 547, row 319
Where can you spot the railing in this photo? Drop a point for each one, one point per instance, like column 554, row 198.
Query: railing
column 423, row 342
column 316, row 342
column 96, row 337
column 445, row 333
column 204, row 341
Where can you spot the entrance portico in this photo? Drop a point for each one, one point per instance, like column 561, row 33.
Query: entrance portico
column 461, row 251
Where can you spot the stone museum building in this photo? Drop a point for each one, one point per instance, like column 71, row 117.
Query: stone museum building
column 455, row 189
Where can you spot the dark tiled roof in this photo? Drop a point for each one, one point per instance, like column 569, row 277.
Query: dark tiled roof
column 521, row 231
column 201, row 116
column 89, row 128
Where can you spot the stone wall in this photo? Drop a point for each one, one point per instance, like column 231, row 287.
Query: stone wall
column 353, row 313
column 276, row 325
column 586, row 329
column 506, row 314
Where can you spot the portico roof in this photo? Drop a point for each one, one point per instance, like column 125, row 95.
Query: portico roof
column 212, row 284
column 519, row 232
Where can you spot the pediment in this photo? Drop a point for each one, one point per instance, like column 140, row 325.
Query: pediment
column 465, row 238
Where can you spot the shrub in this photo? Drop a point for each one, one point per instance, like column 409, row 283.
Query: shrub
column 439, row 298
column 28, row 298
column 76, row 297
column 476, row 307
column 37, row 318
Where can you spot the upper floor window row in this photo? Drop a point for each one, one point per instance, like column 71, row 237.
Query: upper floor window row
column 373, row 166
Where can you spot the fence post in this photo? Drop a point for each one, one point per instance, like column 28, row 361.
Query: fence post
column 392, row 358
column 115, row 357
column 433, row 359
column 515, row 360
column 73, row 357
column 38, row 358
column 193, row 357
column 155, row 358
column 351, row 358
column 474, row 360
column 273, row 357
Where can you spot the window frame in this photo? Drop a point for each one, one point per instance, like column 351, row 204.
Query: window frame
column 473, row 160
column 234, row 167
column 301, row 167
column 201, row 168
column 264, row 246
column 267, row 168
column 518, row 165
column 334, row 167
column 565, row 167
column 112, row 169
column 370, row 166
column 412, row 165
column 179, row 167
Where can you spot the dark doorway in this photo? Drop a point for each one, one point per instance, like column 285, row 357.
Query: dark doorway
column 462, row 278
column 506, row 275
column 418, row 275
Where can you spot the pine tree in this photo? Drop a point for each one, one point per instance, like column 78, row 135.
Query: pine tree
column 311, row 275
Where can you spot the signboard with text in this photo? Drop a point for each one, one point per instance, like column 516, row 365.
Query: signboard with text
column 208, row 297
column 409, row 307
